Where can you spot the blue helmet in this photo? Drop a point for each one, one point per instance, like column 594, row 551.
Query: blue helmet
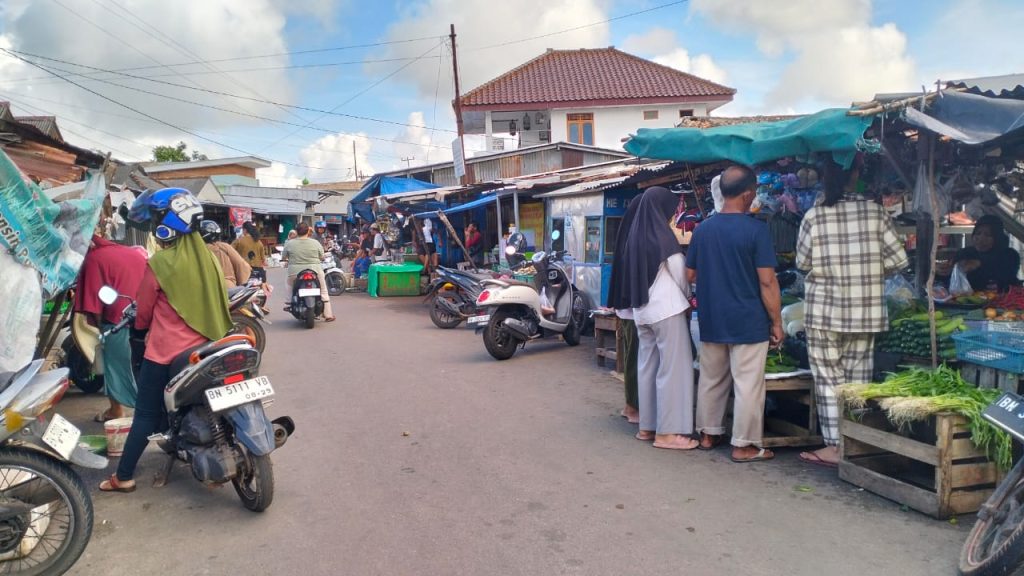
column 171, row 211
column 320, row 224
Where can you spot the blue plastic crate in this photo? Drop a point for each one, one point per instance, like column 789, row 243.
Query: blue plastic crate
column 999, row 350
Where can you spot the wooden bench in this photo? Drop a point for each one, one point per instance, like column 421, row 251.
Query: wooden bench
column 605, row 327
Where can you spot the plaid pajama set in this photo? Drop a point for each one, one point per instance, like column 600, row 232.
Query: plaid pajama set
column 847, row 251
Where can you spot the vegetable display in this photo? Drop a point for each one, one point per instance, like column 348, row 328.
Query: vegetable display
column 780, row 363
column 917, row 393
column 911, row 335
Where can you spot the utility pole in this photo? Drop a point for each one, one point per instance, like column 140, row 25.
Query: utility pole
column 457, row 104
column 355, row 161
column 408, row 160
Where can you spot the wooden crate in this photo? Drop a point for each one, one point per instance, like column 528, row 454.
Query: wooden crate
column 986, row 377
column 932, row 466
column 800, row 426
column 608, row 343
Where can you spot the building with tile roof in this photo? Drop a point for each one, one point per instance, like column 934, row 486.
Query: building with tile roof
column 595, row 97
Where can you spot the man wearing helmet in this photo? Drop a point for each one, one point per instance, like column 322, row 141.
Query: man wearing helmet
column 182, row 302
column 236, row 270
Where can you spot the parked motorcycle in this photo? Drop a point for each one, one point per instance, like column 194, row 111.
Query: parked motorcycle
column 46, row 514
column 216, row 418
column 307, row 304
column 246, row 306
column 78, row 351
column 518, row 312
column 333, row 275
column 453, row 295
column 996, row 542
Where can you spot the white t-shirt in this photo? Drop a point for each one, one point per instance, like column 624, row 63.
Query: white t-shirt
column 378, row 244
column 428, row 230
column 669, row 294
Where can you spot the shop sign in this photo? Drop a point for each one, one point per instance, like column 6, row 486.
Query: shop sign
column 239, row 216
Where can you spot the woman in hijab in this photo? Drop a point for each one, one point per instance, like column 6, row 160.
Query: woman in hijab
column 990, row 261
column 182, row 301
column 656, row 289
column 618, row 301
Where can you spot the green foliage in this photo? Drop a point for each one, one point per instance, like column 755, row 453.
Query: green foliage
column 176, row 153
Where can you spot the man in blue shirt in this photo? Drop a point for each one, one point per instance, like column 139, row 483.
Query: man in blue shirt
column 732, row 261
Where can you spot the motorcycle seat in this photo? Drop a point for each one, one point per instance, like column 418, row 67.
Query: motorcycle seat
column 182, row 361
column 507, row 282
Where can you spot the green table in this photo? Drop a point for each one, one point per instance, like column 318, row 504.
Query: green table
column 386, row 279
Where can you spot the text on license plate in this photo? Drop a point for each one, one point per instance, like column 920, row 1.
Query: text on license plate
column 1007, row 413
column 303, row 292
column 478, row 319
column 224, row 397
column 62, row 436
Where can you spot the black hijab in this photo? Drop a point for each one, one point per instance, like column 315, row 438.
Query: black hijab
column 617, row 289
column 650, row 243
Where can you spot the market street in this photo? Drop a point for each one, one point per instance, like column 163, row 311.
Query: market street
column 519, row 467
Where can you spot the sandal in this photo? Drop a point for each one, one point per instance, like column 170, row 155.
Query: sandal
column 714, row 441
column 678, row 443
column 645, row 436
column 812, row 458
column 112, row 484
column 331, row 319
column 762, row 454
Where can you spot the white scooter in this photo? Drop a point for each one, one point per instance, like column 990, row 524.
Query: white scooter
column 517, row 312
column 333, row 275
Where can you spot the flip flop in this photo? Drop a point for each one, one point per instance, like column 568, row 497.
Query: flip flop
column 716, row 441
column 812, row 458
column 644, row 437
column 112, row 484
column 102, row 417
column 675, row 445
column 331, row 319
column 762, row 454
column 634, row 420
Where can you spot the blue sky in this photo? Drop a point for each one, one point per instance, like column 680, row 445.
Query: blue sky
column 793, row 56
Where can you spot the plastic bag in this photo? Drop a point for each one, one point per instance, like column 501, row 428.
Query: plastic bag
column 899, row 291
column 958, row 283
column 20, row 313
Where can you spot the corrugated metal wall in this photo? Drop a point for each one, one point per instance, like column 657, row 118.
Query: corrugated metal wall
column 512, row 166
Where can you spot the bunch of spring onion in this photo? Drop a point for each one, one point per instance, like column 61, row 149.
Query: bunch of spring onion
column 916, row 393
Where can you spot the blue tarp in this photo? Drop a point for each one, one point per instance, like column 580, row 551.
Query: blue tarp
column 461, row 207
column 383, row 186
column 969, row 118
column 755, row 143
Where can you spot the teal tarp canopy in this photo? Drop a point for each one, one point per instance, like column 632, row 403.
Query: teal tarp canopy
column 827, row 131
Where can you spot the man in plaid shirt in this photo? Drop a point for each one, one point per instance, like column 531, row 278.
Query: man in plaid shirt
column 847, row 246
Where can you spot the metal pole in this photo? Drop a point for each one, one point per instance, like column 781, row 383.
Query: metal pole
column 457, row 104
column 501, row 232
column 515, row 209
column 355, row 162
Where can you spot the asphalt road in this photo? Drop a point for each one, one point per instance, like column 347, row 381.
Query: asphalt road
column 518, row 467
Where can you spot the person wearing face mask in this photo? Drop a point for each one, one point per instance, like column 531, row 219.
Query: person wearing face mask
column 657, row 292
column 732, row 261
column 990, row 260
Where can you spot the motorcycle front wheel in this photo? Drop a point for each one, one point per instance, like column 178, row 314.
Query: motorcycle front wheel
column 255, row 487
column 335, row 284
column 49, row 538
column 250, row 327
column 996, row 544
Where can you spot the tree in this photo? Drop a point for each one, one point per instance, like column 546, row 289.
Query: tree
column 305, row 181
column 176, row 154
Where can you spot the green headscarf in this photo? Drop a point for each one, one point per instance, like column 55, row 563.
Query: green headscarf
column 192, row 279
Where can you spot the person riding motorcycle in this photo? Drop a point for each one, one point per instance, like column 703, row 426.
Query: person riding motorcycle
column 321, row 235
column 248, row 245
column 182, row 301
column 236, row 270
column 303, row 253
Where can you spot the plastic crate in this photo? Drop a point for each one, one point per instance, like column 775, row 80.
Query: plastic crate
column 995, row 349
column 398, row 284
column 528, row 278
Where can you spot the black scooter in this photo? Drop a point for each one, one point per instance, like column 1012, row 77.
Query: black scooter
column 307, row 304
column 453, row 296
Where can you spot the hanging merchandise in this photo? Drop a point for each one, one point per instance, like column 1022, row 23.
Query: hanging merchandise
column 19, row 317
column 48, row 236
column 922, row 192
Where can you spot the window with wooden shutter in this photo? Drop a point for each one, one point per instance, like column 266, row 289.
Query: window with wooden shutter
column 580, row 128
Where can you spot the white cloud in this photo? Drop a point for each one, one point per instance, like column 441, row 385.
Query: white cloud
column 418, row 142
column 212, row 29
column 332, row 155
column 989, row 49
column 278, row 175
column 662, row 46
column 479, row 24
column 838, row 55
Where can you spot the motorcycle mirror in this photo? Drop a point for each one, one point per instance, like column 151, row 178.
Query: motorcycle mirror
column 556, row 234
column 538, row 256
column 510, row 250
column 108, row 295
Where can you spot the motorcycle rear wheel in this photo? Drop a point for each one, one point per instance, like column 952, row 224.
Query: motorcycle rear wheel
column 498, row 342
column 335, row 284
column 309, row 318
column 256, row 487
column 441, row 317
column 70, row 512
column 250, row 327
column 996, row 544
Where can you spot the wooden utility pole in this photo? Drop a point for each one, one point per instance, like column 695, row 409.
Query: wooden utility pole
column 467, row 178
column 355, row 161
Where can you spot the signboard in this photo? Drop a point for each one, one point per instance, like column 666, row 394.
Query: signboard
column 459, row 157
column 239, row 216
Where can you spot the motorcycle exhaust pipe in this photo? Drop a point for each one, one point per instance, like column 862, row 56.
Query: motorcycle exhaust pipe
column 450, row 307
column 520, row 330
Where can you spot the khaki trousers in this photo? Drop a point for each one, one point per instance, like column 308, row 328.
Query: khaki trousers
column 736, row 368
column 328, row 313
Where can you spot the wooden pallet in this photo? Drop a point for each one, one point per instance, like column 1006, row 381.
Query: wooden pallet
column 795, row 422
column 932, row 467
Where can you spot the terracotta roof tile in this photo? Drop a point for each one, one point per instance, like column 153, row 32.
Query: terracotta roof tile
column 591, row 75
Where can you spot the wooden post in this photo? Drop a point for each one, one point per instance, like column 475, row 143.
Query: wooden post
column 934, row 203
column 49, row 334
column 467, row 178
column 455, row 235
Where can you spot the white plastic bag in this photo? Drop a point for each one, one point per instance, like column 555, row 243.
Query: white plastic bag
column 958, row 283
column 22, row 298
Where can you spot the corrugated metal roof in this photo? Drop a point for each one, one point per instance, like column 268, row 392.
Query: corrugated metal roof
column 266, row 205
column 586, row 187
column 1005, row 86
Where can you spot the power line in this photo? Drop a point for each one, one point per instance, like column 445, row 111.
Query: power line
column 164, row 122
column 216, row 92
column 94, row 141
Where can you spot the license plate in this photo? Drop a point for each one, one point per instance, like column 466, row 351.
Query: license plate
column 303, row 292
column 483, row 318
column 224, row 397
column 62, row 436
column 1007, row 413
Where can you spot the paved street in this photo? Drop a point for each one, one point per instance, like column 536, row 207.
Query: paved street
column 519, row 467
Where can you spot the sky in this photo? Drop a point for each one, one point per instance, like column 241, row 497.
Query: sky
column 323, row 88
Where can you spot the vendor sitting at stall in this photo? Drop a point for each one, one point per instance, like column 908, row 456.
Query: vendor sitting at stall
column 990, row 260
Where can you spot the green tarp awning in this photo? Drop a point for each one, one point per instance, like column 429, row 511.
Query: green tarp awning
column 827, row 131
